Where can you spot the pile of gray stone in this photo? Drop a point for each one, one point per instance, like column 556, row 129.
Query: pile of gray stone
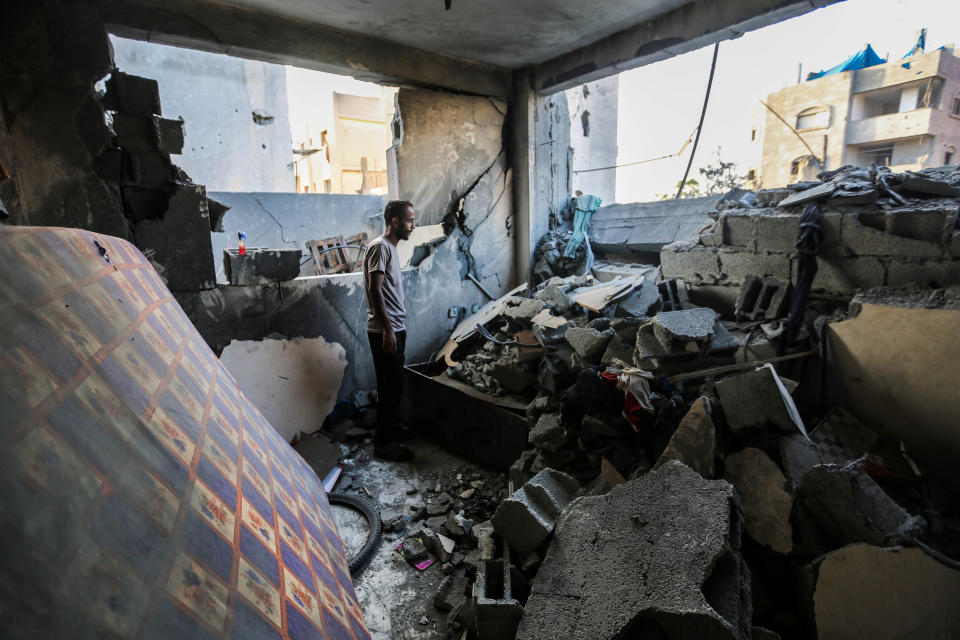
column 678, row 484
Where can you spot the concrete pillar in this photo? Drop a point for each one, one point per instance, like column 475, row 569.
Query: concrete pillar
column 540, row 142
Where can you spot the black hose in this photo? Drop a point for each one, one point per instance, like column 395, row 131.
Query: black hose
column 372, row 514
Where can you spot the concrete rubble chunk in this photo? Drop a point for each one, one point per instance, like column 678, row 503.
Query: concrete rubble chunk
column 522, row 309
column 758, row 400
column 761, row 299
column 848, row 506
column 798, row 455
column 554, row 296
column 527, row 517
column 643, row 301
column 656, row 557
column 498, row 593
column 763, row 493
column 685, row 325
column 548, row 433
column 865, row 591
column 693, row 442
column 589, row 344
column 451, row 592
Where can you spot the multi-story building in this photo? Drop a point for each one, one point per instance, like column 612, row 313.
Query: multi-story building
column 904, row 114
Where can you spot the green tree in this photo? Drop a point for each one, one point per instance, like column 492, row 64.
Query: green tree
column 720, row 176
column 692, row 190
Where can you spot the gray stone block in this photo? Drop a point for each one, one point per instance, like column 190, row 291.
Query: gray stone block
column 685, row 325
column 739, row 230
column 930, row 221
column 763, row 493
column 797, row 456
column 693, row 442
column 777, row 233
column 178, row 244
column 528, row 516
column 132, row 95
column 843, row 275
column 497, row 598
column 656, row 557
column 589, row 344
column 848, row 507
column 737, row 265
column 753, row 401
column 861, row 240
column 692, row 262
column 548, row 433
column 922, row 273
column 644, row 301
column 761, row 299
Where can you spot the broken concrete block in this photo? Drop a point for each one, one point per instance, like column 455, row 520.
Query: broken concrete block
column 763, row 493
column 589, row 344
column 762, row 299
column 497, row 602
column 684, row 326
column 180, row 241
column 693, row 442
column 657, row 557
column 512, row 377
column 520, row 470
column 644, row 301
column 865, row 591
column 758, row 400
column 522, row 309
column 261, row 266
column 527, row 517
column 548, row 433
column 798, row 455
column 148, row 133
column 554, row 296
column 451, row 592
column 673, row 294
column 848, row 506
column 132, row 94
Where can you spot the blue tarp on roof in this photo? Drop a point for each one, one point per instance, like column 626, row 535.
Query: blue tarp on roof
column 860, row 60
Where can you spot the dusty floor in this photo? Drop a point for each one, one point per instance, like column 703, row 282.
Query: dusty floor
column 395, row 597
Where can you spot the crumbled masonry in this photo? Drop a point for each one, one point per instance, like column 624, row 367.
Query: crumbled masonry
column 605, row 488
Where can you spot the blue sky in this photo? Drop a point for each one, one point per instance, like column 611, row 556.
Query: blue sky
column 659, row 105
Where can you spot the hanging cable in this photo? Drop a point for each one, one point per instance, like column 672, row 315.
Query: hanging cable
column 703, row 114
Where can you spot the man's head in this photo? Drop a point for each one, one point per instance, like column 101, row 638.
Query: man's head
column 399, row 217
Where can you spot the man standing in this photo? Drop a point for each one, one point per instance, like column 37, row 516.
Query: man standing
column 386, row 324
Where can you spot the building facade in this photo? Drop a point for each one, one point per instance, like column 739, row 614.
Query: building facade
column 904, row 114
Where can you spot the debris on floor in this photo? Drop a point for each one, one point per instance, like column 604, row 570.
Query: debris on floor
column 682, row 470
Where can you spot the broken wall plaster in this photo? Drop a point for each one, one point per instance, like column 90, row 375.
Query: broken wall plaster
column 294, row 383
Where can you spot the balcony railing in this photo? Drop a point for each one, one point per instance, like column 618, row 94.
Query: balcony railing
column 906, row 124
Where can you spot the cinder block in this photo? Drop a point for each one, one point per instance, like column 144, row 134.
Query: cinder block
column 863, row 240
column 761, row 299
column 923, row 273
column 843, row 275
column 694, row 263
column 179, row 242
column 132, row 94
column 777, row 233
column 737, row 265
column 498, row 599
column 739, row 230
column 527, row 517
column 148, row 133
column 753, row 400
column 933, row 223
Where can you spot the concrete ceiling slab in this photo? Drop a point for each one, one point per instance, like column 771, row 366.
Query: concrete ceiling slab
column 506, row 33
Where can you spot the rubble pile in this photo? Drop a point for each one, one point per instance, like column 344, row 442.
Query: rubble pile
column 877, row 228
column 685, row 475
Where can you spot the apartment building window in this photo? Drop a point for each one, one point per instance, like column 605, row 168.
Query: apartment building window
column 949, row 155
column 955, row 108
column 881, row 156
column 813, row 118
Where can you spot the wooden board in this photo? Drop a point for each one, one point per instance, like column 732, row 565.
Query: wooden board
column 598, row 297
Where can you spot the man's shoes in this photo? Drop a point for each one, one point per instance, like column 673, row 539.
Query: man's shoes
column 392, row 452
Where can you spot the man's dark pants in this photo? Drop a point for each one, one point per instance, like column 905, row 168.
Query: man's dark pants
column 390, row 376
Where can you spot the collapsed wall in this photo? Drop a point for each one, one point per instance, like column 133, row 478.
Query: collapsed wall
column 861, row 247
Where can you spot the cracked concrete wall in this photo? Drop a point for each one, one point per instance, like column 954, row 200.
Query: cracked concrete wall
column 480, row 243
column 225, row 149
column 593, row 137
column 51, row 128
column 288, row 220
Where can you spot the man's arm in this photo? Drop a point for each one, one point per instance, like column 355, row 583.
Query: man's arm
column 380, row 311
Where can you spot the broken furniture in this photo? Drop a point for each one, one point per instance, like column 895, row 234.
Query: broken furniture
column 143, row 492
column 332, row 255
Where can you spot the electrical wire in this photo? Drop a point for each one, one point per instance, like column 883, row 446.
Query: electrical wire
column 703, row 114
